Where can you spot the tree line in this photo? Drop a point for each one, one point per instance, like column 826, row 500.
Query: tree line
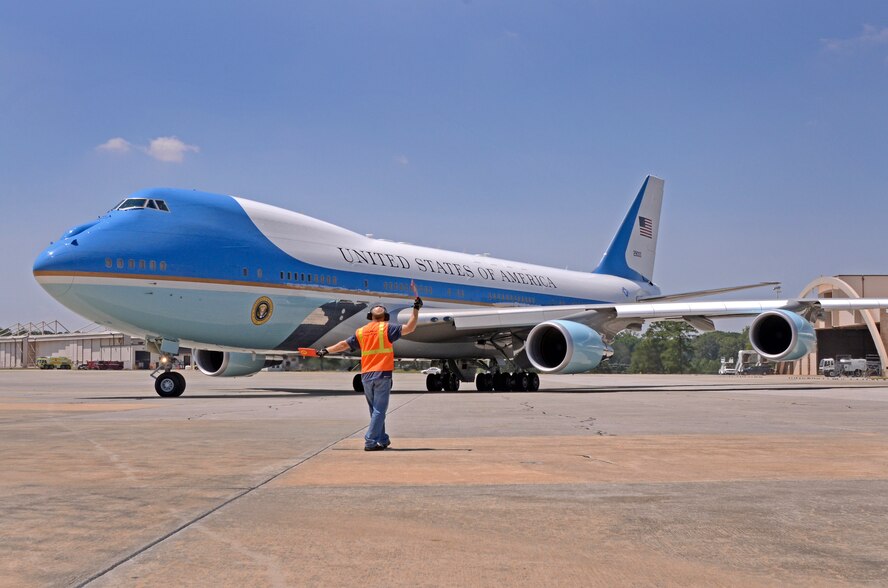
column 669, row 347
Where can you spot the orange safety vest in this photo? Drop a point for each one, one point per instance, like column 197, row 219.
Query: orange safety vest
column 377, row 354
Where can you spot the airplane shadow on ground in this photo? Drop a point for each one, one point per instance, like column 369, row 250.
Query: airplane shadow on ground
column 404, row 449
column 269, row 393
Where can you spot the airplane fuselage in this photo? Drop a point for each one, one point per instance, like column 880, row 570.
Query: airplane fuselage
column 221, row 272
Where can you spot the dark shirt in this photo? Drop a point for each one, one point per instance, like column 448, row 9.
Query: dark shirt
column 394, row 333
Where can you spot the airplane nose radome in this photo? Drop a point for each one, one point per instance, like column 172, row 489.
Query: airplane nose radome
column 59, row 256
column 46, row 261
column 47, row 272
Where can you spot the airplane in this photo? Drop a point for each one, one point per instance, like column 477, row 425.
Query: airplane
column 245, row 284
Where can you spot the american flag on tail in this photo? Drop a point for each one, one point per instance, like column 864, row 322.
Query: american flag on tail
column 646, row 227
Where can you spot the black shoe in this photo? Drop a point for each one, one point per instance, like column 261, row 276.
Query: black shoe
column 386, row 445
column 374, row 448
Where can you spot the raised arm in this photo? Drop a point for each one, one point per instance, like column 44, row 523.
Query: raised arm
column 414, row 317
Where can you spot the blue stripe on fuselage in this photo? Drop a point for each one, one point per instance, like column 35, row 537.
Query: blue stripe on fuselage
column 210, row 237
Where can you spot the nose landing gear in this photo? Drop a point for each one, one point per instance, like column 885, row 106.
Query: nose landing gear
column 169, row 384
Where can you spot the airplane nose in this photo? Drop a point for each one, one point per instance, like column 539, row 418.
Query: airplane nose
column 52, row 258
column 44, row 262
column 47, row 270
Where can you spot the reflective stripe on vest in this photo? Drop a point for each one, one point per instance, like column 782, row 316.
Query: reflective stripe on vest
column 377, row 354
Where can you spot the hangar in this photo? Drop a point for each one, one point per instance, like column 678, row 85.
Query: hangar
column 21, row 344
column 854, row 333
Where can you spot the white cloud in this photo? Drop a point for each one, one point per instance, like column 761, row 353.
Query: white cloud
column 401, row 160
column 116, row 145
column 169, row 149
column 869, row 37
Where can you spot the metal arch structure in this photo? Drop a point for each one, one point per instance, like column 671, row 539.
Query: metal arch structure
column 871, row 323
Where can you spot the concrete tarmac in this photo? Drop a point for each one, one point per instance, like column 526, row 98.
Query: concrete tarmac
column 594, row 480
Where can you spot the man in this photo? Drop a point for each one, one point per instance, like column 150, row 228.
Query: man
column 377, row 363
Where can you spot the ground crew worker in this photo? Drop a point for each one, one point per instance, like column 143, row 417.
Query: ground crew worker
column 377, row 363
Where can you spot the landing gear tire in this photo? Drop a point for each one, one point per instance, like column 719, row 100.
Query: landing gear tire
column 521, row 382
column 451, row 383
column 434, row 383
column 484, row 382
column 169, row 384
column 357, row 384
column 534, row 382
column 502, row 382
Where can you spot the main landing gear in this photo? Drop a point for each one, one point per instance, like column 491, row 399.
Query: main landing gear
column 445, row 381
column 486, row 382
column 507, row 382
column 169, row 384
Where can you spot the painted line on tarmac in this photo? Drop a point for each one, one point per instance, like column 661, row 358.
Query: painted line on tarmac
column 201, row 517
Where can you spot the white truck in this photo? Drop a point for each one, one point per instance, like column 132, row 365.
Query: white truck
column 727, row 367
column 846, row 366
column 748, row 362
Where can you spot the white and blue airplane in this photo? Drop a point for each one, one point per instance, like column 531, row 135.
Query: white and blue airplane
column 243, row 283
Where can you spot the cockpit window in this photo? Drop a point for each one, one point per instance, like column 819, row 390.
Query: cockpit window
column 138, row 203
column 131, row 203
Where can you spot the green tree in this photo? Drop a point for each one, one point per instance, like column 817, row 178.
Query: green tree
column 667, row 347
column 709, row 348
column 678, row 353
column 655, row 351
column 623, row 345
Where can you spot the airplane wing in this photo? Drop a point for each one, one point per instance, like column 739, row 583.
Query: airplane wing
column 612, row 318
column 710, row 292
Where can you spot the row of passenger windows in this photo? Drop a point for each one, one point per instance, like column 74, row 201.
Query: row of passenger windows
column 396, row 286
column 309, row 278
column 503, row 297
column 133, row 263
column 404, row 287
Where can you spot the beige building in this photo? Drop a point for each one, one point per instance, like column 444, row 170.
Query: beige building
column 842, row 333
column 22, row 344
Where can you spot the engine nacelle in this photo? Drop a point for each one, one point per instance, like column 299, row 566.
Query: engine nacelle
column 227, row 364
column 781, row 335
column 565, row 347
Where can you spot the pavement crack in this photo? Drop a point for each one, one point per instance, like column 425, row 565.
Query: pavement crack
column 274, row 570
column 586, row 423
column 589, row 457
column 115, row 460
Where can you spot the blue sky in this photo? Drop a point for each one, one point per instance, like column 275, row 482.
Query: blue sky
column 515, row 128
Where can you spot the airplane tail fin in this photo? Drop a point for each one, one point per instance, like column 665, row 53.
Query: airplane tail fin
column 632, row 252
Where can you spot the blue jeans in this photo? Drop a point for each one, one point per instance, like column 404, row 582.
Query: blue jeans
column 377, row 393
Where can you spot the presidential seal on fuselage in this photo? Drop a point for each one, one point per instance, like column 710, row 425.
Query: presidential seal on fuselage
column 262, row 309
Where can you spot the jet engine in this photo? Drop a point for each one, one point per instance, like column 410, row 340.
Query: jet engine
column 781, row 335
column 565, row 347
column 228, row 364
